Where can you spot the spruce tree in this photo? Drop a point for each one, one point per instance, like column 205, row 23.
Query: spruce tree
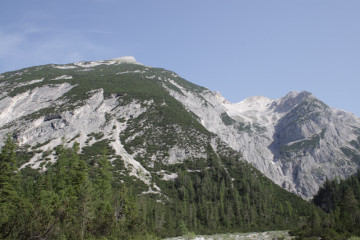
column 9, row 192
column 350, row 211
column 104, row 213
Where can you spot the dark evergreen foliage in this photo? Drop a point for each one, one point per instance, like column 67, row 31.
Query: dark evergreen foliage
column 340, row 199
column 78, row 198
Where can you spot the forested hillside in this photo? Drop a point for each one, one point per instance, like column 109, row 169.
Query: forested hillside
column 83, row 197
column 340, row 199
column 114, row 149
column 151, row 121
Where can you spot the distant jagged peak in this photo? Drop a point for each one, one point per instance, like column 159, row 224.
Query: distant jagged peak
column 256, row 99
column 264, row 104
column 254, row 103
column 126, row 59
column 298, row 95
column 290, row 100
column 252, row 109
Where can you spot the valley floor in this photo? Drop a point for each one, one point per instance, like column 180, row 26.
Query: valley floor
column 273, row 235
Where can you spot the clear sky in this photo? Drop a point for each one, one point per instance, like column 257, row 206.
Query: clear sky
column 240, row 48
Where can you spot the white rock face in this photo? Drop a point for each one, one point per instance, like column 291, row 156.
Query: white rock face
column 65, row 67
column 119, row 60
column 297, row 141
column 89, row 118
column 264, row 129
column 30, row 101
column 137, row 169
column 72, row 125
column 128, row 59
column 63, row 77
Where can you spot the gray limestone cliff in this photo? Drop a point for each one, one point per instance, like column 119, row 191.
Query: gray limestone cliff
column 150, row 116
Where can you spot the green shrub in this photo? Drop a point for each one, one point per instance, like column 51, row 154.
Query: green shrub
column 189, row 236
column 354, row 238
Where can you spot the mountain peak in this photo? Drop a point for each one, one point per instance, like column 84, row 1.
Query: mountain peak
column 258, row 103
column 296, row 94
column 254, row 99
column 90, row 64
column 290, row 100
column 296, row 140
column 128, row 59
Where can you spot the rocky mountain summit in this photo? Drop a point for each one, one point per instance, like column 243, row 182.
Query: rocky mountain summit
column 303, row 141
column 149, row 118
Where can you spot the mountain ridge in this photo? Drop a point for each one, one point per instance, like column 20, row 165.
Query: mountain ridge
column 121, row 103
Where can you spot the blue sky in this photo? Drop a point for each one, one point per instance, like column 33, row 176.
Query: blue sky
column 240, row 48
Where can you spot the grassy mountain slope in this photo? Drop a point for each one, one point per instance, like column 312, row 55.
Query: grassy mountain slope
column 179, row 177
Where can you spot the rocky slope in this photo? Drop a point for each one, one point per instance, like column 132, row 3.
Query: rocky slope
column 297, row 141
column 241, row 236
column 150, row 117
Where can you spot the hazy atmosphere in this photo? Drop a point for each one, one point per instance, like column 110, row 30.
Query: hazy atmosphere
column 239, row 48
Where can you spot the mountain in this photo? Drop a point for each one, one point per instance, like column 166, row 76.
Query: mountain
column 302, row 141
column 150, row 119
column 111, row 150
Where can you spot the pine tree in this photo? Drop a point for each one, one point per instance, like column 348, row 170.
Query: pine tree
column 73, row 187
column 350, row 211
column 9, row 193
column 44, row 202
column 84, row 201
column 315, row 222
column 104, row 213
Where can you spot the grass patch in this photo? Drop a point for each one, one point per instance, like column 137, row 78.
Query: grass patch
column 226, row 119
column 352, row 154
column 312, row 143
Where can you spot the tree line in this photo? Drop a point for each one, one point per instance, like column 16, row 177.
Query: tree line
column 68, row 201
column 75, row 198
column 340, row 200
